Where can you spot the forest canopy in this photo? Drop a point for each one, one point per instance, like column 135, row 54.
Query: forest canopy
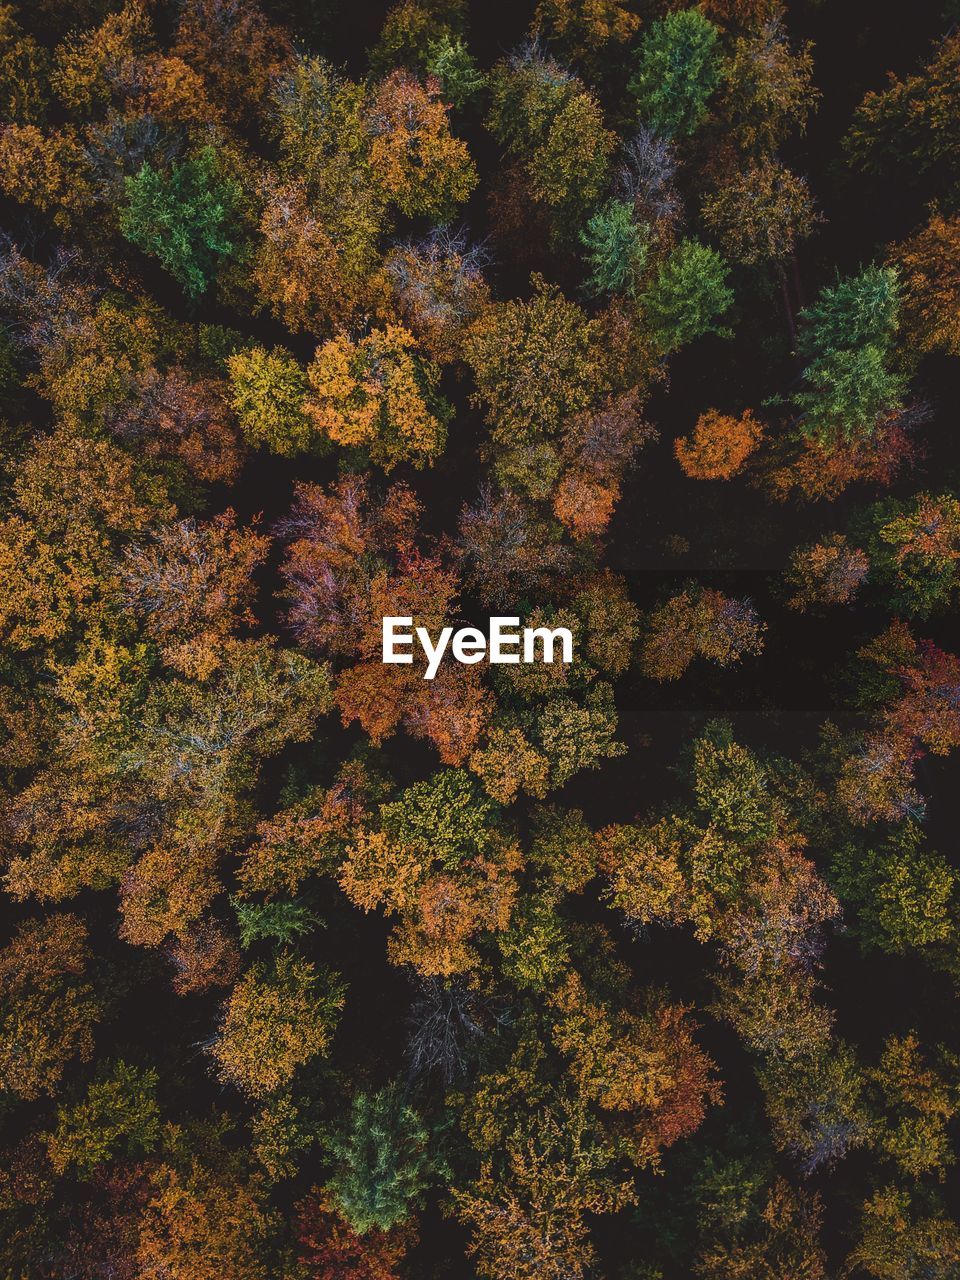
column 637, row 322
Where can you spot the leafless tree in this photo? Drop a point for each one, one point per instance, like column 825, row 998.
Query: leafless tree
column 444, row 1029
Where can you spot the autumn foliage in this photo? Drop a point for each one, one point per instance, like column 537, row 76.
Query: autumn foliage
column 634, row 962
column 719, row 445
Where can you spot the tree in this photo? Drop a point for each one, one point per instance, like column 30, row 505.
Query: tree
column 876, row 782
column 562, row 848
column 576, row 734
column 172, row 763
column 88, row 67
column 331, row 1250
column 450, row 711
column 444, row 817
column 185, row 218
column 317, row 114
column 445, row 1028
column 339, row 538
column 899, row 1234
column 927, row 709
column 677, row 70
column 528, row 1217
column 616, row 248
column 645, row 877
column 699, row 622
column 175, row 415
column 203, row 740
column 782, row 927
column 913, row 124
column 422, row 168
column 92, row 358
column 204, row 956
column 846, row 339
column 456, row 70
column 823, row 466
column 583, row 505
column 646, row 178
column 166, row 90
column 720, row 445
column 759, row 216
column 23, row 72
column 237, row 51
column 438, row 860
column 311, row 837
column 912, row 686
column 49, row 170
column 901, row 891
column 169, row 888
column 768, row 88
column 927, row 267
column 731, row 866
column 914, row 549
column 597, row 450
column 848, row 391
column 536, row 364
column 234, row 269
column 781, row 1243
column 192, row 585
column 282, row 919
column 198, row 1222
column 278, row 1017
column 687, row 296
column 858, row 311
column 565, row 171
column 43, row 593
column 586, row 30
column 816, row 1106
column 384, row 1162
column 552, row 127
column 119, row 1112
column 828, row 572
column 440, row 287
column 269, row 390
column 314, row 262
column 643, row 1063
column 378, row 394
column 732, row 787
column 48, row 1006
column 506, row 550
column 507, row 763
column 918, row 1098
column 410, row 30
column 743, row 13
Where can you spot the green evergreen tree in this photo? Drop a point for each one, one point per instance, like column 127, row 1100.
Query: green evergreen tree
column 384, row 1162
column 460, row 77
column 281, row 919
column 847, row 341
column 688, row 296
column 185, row 218
column 616, row 249
column 678, row 68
